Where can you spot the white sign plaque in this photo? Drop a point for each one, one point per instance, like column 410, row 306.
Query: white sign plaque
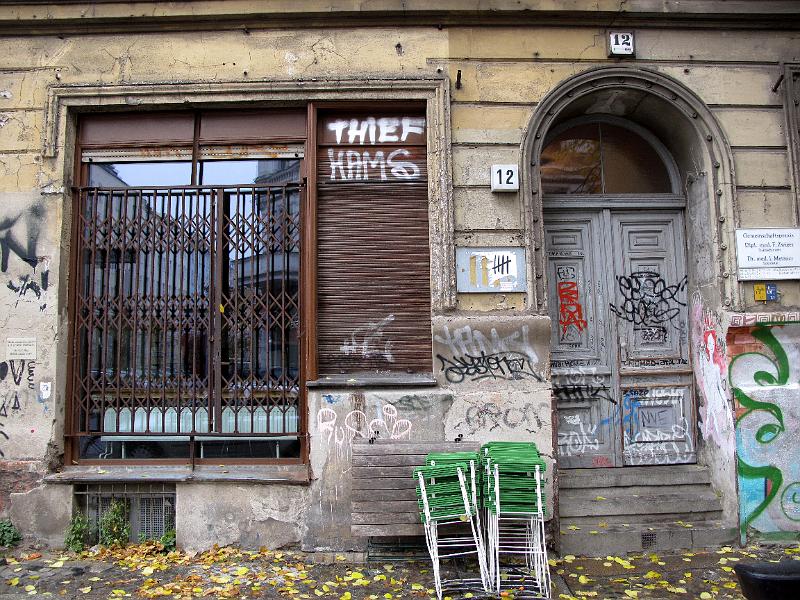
column 505, row 178
column 20, row 348
column 486, row 270
column 764, row 254
column 620, row 43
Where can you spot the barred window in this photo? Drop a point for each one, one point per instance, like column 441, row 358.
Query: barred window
column 186, row 305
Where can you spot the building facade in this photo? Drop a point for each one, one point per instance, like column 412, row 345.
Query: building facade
column 238, row 238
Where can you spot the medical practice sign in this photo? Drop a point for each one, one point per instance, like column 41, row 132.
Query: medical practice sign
column 763, row 254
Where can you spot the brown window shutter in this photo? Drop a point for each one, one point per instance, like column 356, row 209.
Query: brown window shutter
column 373, row 273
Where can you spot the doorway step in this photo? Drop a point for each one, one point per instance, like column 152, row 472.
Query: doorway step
column 612, row 511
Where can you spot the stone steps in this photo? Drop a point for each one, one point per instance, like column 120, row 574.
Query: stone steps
column 616, row 540
column 613, row 511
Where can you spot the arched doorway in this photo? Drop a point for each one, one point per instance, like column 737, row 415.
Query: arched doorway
column 615, row 262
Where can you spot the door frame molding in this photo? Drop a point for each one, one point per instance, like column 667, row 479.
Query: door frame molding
column 715, row 171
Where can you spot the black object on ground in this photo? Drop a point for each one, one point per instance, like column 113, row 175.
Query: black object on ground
column 770, row 581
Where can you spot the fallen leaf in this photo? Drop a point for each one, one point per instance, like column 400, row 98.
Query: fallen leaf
column 652, row 575
column 631, row 593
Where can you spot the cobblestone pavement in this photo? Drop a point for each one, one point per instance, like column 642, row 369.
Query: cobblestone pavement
column 146, row 571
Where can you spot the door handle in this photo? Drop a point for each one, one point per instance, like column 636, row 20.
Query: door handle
column 623, row 350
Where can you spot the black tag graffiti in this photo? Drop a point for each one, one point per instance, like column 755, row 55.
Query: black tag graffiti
column 649, row 303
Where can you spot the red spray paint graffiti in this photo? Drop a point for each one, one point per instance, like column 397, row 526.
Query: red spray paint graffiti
column 570, row 311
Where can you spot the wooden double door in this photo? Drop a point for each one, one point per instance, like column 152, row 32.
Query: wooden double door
column 621, row 374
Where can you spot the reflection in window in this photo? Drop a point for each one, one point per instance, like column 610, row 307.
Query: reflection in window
column 140, row 174
column 599, row 158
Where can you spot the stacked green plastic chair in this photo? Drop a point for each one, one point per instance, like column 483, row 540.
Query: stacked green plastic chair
column 520, row 489
column 439, row 487
column 448, row 493
column 515, row 510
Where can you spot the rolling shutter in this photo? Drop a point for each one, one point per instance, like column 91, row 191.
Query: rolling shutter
column 373, row 273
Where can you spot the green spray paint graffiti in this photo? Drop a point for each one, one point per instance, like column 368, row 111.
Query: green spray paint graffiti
column 766, row 389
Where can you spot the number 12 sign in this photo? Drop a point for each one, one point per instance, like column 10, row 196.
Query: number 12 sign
column 620, row 43
column 505, row 178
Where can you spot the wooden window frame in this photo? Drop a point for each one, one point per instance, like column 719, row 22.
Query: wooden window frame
column 307, row 234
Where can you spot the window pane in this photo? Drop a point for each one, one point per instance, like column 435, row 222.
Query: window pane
column 140, row 174
column 570, row 163
column 270, row 171
column 630, row 164
column 260, row 316
column 602, row 159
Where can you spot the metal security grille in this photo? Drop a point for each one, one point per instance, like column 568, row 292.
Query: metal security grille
column 150, row 508
column 187, row 312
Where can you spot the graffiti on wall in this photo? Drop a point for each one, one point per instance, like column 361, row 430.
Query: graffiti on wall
column 501, row 365
column 16, row 376
column 382, row 165
column 649, row 303
column 764, row 376
column 368, row 341
column 20, row 239
column 358, row 424
column 570, row 309
column 488, row 416
column 708, row 351
column 471, row 354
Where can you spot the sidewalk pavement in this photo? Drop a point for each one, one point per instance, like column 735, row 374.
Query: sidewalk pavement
column 146, row 571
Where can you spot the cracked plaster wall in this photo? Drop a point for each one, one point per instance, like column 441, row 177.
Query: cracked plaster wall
column 504, row 73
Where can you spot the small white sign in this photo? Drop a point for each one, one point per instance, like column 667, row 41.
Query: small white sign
column 505, row 178
column 20, row 348
column 487, row 270
column 763, row 254
column 620, row 43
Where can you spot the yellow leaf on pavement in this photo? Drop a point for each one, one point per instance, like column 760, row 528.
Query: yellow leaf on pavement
column 86, row 589
column 631, row 593
column 705, row 596
column 652, row 575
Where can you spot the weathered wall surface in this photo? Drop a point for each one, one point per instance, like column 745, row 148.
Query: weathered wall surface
column 715, row 411
column 248, row 515
column 30, row 415
column 491, row 356
column 764, row 377
column 338, row 418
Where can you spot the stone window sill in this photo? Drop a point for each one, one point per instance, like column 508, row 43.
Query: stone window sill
column 265, row 474
column 367, row 380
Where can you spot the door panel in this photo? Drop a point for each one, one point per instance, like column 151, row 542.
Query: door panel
column 649, row 299
column 658, row 426
column 617, row 298
column 581, row 361
column 649, row 307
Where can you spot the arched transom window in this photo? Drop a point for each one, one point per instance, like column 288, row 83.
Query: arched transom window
column 602, row 158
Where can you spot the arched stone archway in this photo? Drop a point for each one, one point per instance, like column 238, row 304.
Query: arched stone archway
column 682, row 122
column 686, row 126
